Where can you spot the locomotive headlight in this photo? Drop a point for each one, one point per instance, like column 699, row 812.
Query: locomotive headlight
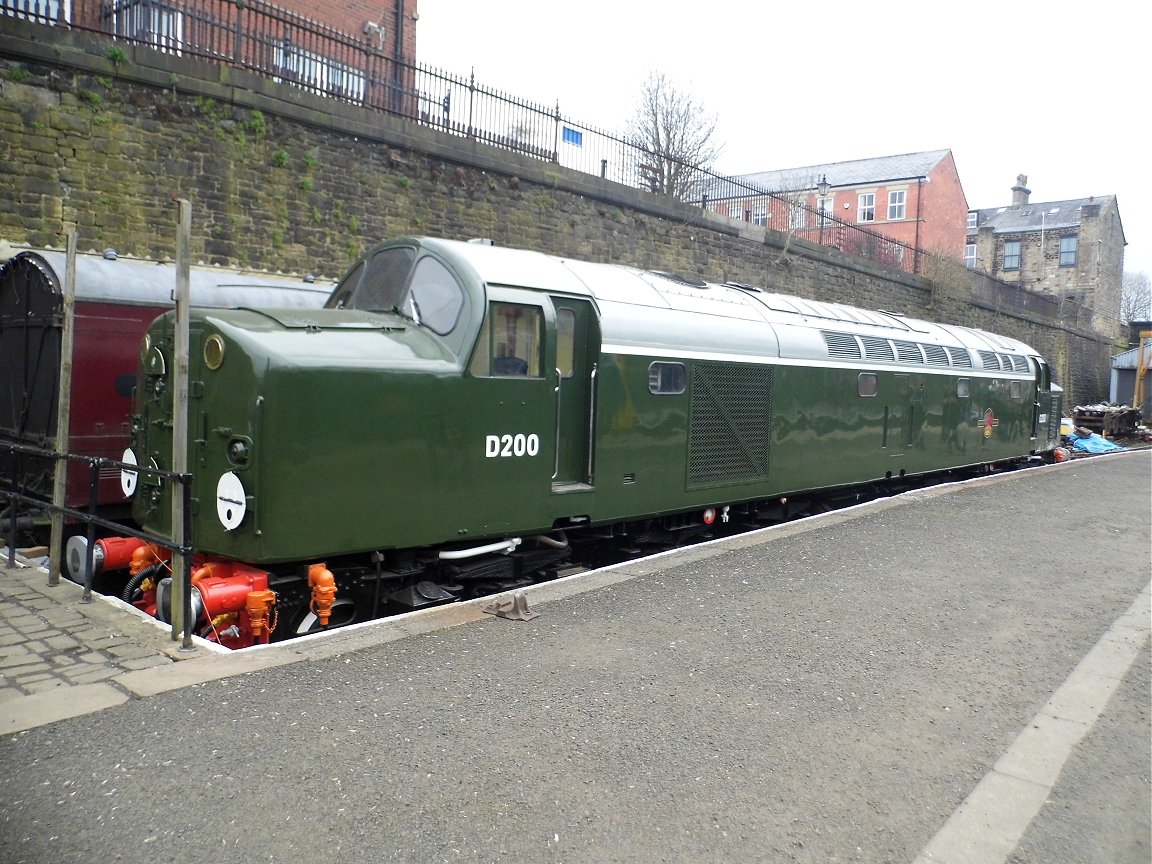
column 145, row 348
column 214, row 351
column 238, row 451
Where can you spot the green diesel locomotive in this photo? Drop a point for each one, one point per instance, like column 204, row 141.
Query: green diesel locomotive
column 459, row 412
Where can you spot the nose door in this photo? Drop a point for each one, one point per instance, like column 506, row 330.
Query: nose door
column 577, row 348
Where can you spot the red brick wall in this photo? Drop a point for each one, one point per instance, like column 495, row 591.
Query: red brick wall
column 349, row 16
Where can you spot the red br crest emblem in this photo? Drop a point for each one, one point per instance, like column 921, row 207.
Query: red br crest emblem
column 989, row 423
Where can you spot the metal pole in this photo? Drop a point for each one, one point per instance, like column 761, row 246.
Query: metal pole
column 16, row 463
column 186, row 559
column 181, row 586
column 63, row 407
column 90, row 546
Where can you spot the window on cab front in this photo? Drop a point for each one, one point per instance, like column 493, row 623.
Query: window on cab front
column 427, row 293
column 510, row 342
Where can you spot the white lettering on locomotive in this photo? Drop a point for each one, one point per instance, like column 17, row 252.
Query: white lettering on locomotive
column 511, row 445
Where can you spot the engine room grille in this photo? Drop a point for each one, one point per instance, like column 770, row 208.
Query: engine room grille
column 841, row 344
column 731, row 424
column 960, row 357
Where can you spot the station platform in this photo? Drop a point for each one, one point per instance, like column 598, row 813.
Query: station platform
column 957, row 675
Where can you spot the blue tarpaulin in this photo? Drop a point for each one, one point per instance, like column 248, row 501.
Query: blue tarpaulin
column 1092, row 444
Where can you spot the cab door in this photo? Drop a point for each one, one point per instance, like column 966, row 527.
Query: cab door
column 577, row 345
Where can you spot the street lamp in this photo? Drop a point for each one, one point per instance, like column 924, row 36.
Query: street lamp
column 822, row 188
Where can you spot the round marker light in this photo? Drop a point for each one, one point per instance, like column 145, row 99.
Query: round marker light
column 709, row 515
column 214, row 351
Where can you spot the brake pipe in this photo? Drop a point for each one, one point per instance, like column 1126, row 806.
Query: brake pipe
column 504, row 546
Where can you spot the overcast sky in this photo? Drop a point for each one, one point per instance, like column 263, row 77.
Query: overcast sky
column 1046, row 89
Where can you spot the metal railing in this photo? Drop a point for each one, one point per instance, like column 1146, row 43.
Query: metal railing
column 292, row 49
column 17, row 494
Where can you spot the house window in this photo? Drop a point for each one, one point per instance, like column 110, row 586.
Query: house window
column 825, row 206
column 150, row 24
column 760, row 214
column 970, row 255
column 40, row 11
column 972, row 217
column 573, row 136
column 896, row 204
column 866, row 207
column 1012, row 255
column 797, row 215
column 317, row 73
column 1067, row 251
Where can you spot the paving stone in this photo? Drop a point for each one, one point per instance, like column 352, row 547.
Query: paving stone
column 7, row 693
column 17, row 658
column 145, row 662
column 125, row 652
column 26, row 622
column 13, row 650
column 96, row 674
column 82, row 669
column 41, row 686
column 12, row 639
column 63, row 618
column 62, row 643
column 13, row 672
column 24, row 680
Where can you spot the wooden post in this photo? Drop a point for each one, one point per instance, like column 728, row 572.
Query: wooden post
column 63, row 407
column 180, row 410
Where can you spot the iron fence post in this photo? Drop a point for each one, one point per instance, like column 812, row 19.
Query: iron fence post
column 12, row 507
column 93, row 506
column 471, row 100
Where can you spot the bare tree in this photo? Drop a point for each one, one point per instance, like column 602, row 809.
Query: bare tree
column 675, row 137
column 1136, row 298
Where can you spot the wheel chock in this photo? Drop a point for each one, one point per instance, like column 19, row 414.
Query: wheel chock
column 514, row 608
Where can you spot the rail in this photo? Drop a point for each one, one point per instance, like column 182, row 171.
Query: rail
column 17, row 493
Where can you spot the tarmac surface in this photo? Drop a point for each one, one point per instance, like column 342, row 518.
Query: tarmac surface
column 958, row 675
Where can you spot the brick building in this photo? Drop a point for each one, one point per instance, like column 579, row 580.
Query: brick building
column 351, row 49
column 1070, row 250
column 915, row 199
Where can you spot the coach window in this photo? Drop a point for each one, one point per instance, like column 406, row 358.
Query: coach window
column 962, row 388
column 866, row 384
column 1015, row 390
column 509, row 345
column 667, row 379
column 435, row 297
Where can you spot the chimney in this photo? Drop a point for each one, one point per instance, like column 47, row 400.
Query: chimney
column 1020, row 192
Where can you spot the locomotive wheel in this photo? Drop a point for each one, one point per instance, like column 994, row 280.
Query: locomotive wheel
column 343, row 613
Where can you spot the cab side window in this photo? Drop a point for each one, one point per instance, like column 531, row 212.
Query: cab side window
column 510, row 342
